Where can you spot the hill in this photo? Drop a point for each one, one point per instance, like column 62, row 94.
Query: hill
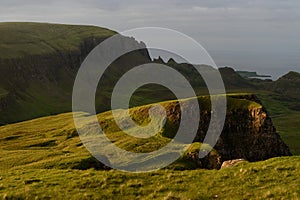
column 38, row 65
column 288, row 86
column 39, row 62
column 45, row 158
column 38, row 156
column 18, row 40
column 52, row 142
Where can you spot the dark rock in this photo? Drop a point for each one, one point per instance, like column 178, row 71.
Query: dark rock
column 90, row 162
column 248, row 133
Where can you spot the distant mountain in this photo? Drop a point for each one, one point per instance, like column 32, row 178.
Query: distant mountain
column 288, row 84
column 288, row 89
column 234, row 80
column 39, row 62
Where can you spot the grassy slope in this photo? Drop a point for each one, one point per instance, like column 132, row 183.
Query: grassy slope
column 276, row 178
column 50, row 93
column 285, row 120
column 37, row 157
column 42, row 38
column 51, row 139
column 50, row 142
column 281, row 98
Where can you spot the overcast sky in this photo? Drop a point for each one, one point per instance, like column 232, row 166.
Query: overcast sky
column 247, row 34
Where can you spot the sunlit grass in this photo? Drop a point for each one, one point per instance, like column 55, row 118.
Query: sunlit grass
column 276, row 178
column 40, row 159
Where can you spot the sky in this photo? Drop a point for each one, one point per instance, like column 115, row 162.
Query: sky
column 255, row 35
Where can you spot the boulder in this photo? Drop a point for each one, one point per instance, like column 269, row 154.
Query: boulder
column 231, row 163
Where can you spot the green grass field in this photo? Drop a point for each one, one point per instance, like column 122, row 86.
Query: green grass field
column 276, row 178
column 44, row 158
column 285, row 120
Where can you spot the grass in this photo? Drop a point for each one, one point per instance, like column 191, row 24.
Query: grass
column 44, row 158
column 52, row 141
column 43, row 38
column 39, row 65
column 285, row 120
column 276, row 178
column 288, row 127
column 46, row 59
column 3, row 92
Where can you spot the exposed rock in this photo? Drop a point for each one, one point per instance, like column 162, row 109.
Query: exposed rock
column 248, row 133
column 211, row 161
column 191, row 160
column 230, row 163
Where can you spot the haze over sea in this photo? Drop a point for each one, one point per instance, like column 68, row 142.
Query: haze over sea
column 264, row 63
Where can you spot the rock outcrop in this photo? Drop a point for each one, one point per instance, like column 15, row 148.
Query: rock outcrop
column 231, row 163
column 248, row 132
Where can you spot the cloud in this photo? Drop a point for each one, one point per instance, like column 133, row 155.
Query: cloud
column 219, row 25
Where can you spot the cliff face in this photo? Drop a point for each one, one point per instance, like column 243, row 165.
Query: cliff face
column 248, row 132
column 39, row 84
column 37, row 72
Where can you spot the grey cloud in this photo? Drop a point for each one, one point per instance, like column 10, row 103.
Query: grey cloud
column 266, row 4
column 220, row 25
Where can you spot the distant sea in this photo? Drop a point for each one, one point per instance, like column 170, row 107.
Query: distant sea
column 274, row 64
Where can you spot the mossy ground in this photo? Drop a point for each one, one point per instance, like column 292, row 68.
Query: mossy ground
column 40, row 159
column 276, row 178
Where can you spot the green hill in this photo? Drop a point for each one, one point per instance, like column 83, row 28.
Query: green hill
column 39, row 62
column 38, row 65
column 288, row 86
column 18, row 40
column 248, row 133
column 44, row 158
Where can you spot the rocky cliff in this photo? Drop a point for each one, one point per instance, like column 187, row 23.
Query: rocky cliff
column 248, row 132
